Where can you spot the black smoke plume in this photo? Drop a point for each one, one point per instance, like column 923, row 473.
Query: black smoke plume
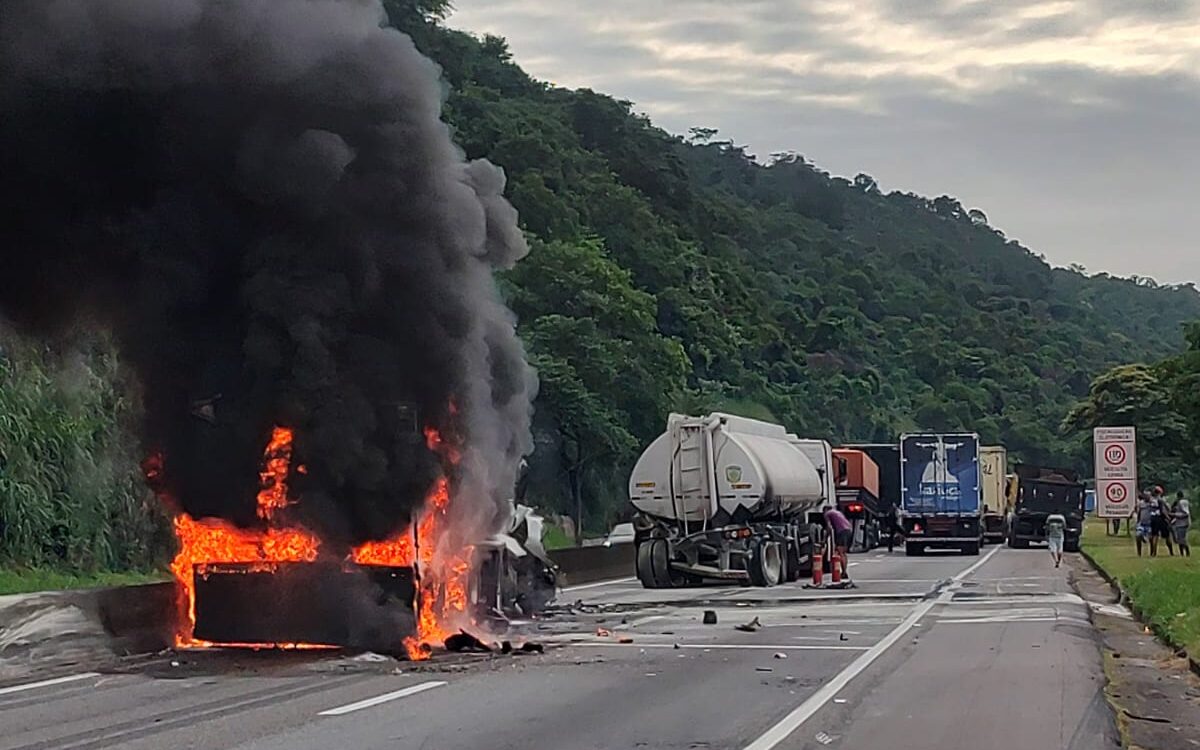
column 259, row 198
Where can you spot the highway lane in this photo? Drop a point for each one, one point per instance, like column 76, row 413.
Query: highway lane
column 937, row 652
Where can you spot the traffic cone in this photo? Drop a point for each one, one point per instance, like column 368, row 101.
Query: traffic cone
column 835, row 569
column 818, row 569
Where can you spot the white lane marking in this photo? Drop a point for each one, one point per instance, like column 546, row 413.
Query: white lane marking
column 897, row 580
column 598, row 584
column 369, row 702
column 851, row 565
column 726, row 646
column 48, row 683
column 817, row 700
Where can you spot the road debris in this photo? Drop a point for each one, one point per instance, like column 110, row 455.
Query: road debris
column 603, row 633
column 749, row 627
column 842, row 637
column 625, row 639
column 780, row 655
column 464, row 642
column 710, row 617
column 370, row 657
column 763, row 669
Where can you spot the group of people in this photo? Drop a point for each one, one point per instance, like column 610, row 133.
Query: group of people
column 1156, row 519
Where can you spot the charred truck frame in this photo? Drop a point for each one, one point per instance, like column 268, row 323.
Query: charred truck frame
column 723, row 497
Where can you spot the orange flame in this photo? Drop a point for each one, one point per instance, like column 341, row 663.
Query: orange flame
column 442, row 597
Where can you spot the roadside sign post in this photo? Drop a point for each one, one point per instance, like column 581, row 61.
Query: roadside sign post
column 1116, row 471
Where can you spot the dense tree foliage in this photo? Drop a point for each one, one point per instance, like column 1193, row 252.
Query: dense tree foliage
column 1163, row 402
column 672, row 272
column 680, row 272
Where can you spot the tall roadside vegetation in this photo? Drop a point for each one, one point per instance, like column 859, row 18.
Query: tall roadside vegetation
column 70, row 493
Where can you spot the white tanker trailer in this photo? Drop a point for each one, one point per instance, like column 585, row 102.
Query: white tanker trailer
column 731, row 498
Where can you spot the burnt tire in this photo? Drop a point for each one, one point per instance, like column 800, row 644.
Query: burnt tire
column 653, row 567
column 765, row 564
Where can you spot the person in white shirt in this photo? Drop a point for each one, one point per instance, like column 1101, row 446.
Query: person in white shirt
column 1056, row 531
column 1181, row 522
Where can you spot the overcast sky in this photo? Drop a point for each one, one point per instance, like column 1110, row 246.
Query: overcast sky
column 1075, row 125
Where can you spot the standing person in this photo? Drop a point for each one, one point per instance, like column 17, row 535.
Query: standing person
column 841, row 530
column 1056, row 526
column 1181, row 522
column 893, row 526
column 1162, row 519
column 1145, row 517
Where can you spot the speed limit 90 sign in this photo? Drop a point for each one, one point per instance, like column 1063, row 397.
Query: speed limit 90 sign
column 1116, row 470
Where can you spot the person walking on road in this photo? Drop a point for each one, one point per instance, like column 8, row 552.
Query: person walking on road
column 842, row 532
column 1056, row 531
column 1145, row 517
column 892, row 526
column 1181, row 523
column 1161, row 525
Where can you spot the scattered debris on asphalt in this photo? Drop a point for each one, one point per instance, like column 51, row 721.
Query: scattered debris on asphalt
column 603, row 633
column 842, row 637
column 370, row 657
column 763, row 669
column 710, row 617
column 529, row 647
column 625, row 639
column 780, row 655
column 464, row 642
column 749, row 627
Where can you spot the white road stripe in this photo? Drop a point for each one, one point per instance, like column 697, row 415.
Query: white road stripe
column 377, row 700
column 598, row 584
column 817, row 700
column 725, row 646
column 48, row 683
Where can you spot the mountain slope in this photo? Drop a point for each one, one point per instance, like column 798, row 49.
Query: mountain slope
column 774, row 289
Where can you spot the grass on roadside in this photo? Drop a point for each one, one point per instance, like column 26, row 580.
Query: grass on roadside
column 28, row 580
column 1165, row 589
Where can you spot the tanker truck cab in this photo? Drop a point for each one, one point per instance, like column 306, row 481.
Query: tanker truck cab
column 722, row 497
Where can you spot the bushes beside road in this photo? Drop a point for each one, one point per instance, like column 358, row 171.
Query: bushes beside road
column 1164, row 590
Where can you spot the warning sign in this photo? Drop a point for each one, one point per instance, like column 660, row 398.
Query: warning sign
column 1116, row 471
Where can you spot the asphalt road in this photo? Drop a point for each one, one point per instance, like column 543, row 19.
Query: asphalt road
column 936, row 653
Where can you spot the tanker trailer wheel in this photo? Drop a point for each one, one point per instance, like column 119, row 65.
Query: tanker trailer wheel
column 653, row 567
column 766, row 563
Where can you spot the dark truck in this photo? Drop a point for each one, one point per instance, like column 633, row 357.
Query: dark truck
column 941, row 492
column 1042, row 492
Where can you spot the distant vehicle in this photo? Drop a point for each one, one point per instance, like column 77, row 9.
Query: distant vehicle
column 1042, row 492
column 941, row 492
column 993, row 469
column 857, row 482
column 722, row 497
column 887, row 457
column 622, row 533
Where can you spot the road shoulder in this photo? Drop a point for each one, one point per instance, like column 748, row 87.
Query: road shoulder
column 1152, row 690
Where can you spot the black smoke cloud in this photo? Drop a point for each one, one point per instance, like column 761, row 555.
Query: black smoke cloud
column 260, row 199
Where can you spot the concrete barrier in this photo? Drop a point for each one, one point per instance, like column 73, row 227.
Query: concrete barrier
column 581, row 565
column 59, row 629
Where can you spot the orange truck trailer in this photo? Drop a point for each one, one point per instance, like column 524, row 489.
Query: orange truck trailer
column 857, row 485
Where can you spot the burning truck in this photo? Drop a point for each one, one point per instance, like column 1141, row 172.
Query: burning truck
column 262, row 206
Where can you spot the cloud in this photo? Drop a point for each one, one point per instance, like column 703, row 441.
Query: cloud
column 1070, row 122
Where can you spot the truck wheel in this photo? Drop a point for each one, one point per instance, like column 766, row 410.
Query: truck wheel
column 766, row 563
column 971, row 548
column 1071, row 545
column 913, row 549
column 653, row 567
column 792, row 571
column 645, row 572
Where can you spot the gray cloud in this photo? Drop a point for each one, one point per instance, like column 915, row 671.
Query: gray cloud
column 1071, row 123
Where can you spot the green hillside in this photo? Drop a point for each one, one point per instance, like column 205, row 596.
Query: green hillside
column 679, row 272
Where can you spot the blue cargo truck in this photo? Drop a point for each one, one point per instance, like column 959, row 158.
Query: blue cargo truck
column 940, row 492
